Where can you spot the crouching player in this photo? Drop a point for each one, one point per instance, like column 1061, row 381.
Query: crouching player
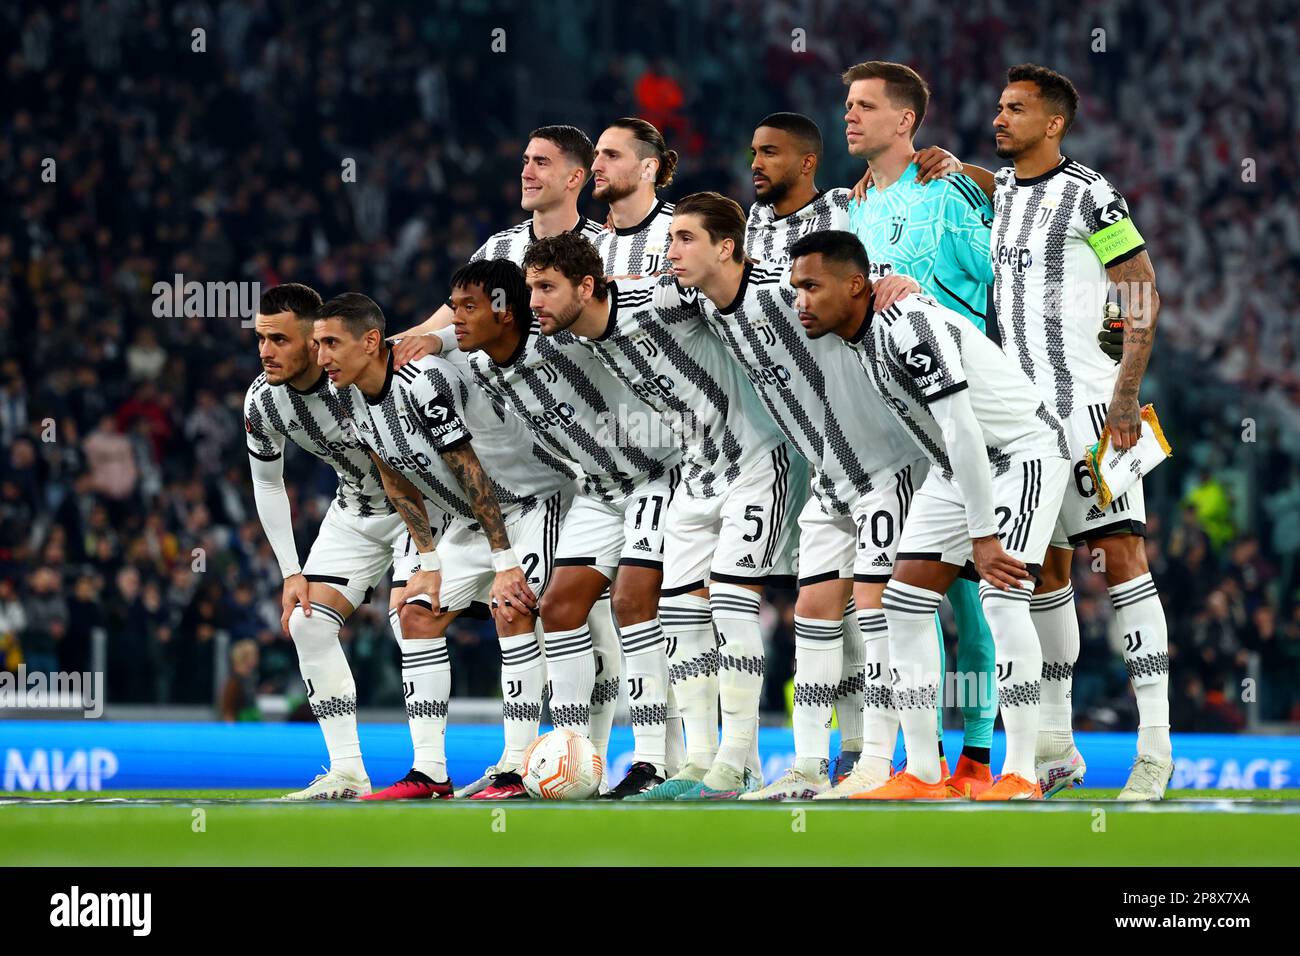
column 988, row 506
column 435, row 436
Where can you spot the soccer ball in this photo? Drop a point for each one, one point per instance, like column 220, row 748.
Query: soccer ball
column 562, row 765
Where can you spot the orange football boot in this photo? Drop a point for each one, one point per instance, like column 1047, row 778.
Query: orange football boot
column 1012, row 786
column 970, row 779
column 903, row 786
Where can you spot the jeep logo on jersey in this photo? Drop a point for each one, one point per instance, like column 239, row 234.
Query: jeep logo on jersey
column 879, row 270
column 326, row 447
column 561, row 414
column 896, row 225
column 1111, row 213
column 654, row 385
column 777, row 375
column 415, row 462
column 1015, row 257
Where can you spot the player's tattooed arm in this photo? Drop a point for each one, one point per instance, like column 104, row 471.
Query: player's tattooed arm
column 464, row 464
column 1135, row 278
column 409, row 503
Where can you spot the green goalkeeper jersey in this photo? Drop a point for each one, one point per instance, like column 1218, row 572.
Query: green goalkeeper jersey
column 937, row 232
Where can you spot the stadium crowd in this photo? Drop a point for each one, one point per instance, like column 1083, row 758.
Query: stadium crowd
column 130, row 156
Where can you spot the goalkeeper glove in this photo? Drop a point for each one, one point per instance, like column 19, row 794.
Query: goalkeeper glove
column 1111, row 336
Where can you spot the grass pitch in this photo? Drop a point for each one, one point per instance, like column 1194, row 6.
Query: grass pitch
column 223, row 828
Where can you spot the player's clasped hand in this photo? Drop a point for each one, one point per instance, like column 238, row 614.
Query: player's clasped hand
column 996, row 566
column 296, row 590
column 512, row 595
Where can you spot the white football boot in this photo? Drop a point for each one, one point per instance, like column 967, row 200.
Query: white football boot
column 1148, row 779
column 859, row 780
column 332, row 785
column 480, row 784
column 791, row 785
column 1058, row 764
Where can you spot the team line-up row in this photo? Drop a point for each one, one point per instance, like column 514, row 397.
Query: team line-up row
column 885, row 399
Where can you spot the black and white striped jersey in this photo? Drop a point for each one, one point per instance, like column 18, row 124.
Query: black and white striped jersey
column 512, row 243
column 431, row 406
column 577, row 407
column 1053, row 238
column 640, row 250
column 917, row 351
column 814, row 389
column 658, row 343
column 768, row 237
column 317, row 422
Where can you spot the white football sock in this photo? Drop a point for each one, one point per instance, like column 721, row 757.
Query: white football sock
column 674, row 734
column 331, row 691
column 879, row 716
column 852, row 684
column 819, row 660
column 1141, row 618
column 523, row 674
column 740, row 670
column 693, row 670
column 1019, row 661
column 571, row 675
column 1057, row 625
column 426, row 682
column 647, row 690
column 609, row 667
column 914, row 663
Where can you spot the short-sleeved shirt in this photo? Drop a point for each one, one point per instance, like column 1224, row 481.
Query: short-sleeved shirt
column 659, row 345
column 917, row 352
column 769, row 237
column 814, row 389
column 512, row 243
column 935, row 232
column 430, row 407
column 578, row 408
column 639, row 250
column 1054, row 236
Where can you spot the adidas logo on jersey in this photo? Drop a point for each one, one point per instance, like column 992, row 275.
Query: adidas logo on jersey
column 1093, row 514
column 293, row 423
column 882, row 561
column 642, row 545
column 746, row 562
